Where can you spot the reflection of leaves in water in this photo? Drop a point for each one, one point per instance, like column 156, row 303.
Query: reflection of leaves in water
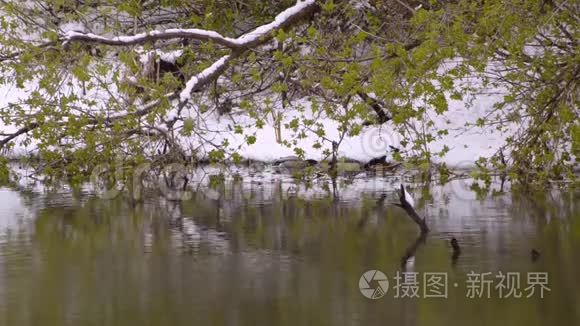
column 480, row 191
column 216, row 180
column 90, row 254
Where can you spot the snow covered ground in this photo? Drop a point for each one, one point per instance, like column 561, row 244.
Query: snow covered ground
column 466, row 146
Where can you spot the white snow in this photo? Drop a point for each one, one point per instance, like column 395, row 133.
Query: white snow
column 169, row 56
column 72, row 27
column 138, row 38
column 279, row 20
column 145, row 57
column 196, row 33
column 465, row 146
column 185, row 94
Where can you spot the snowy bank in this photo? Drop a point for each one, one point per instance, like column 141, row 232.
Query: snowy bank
column 465, row 145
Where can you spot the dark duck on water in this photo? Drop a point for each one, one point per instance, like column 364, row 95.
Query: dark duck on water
column 382, row 162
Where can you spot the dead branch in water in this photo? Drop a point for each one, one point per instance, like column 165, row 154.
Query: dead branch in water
column 407, row 204
column 408, row 207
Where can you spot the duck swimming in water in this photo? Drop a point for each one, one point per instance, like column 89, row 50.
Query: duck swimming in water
column 294, row 162
column 381, row 162
column 376, row 161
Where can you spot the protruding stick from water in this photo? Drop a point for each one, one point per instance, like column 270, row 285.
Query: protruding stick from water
column 407, row 204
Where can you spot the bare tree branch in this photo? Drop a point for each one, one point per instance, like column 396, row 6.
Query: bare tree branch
column 14, row 55
column 377, row 106
column 19, row 132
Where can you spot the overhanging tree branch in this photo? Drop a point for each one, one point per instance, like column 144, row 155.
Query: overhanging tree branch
column 251, row 39
column 126, row 40
column 16, row 54
column 238, row 46
column 377, row 106
column 206, row 76
column 18, row 132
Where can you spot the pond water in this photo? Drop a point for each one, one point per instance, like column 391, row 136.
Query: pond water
column 271, row 252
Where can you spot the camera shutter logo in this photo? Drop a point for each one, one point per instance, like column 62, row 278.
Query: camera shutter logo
column 373, row 284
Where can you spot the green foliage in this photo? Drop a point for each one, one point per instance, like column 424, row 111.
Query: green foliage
column 412, row 65
column 4, row 171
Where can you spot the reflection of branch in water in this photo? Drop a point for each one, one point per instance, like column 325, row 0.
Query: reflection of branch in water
column 218, row 220
column 412, row 249
column 535, row 255
column 456, row 251
column 376, row 209
column 335, row 194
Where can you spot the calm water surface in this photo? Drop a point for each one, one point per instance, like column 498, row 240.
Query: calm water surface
column 267, row 252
